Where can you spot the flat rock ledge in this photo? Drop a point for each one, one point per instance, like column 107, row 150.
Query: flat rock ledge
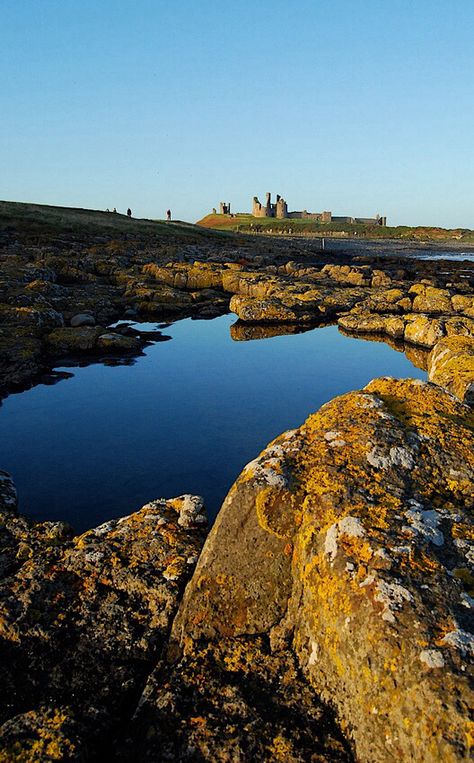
column 329, row 617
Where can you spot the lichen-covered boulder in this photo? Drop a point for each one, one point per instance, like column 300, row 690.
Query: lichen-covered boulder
column 348, row 543
column 275, row 309
column 156, row 298
column 423, row 330
column 251, row 284
column 386, row 301
column 353, row 276
column 463, row 303
column 113, row 342
column 428, row 299
column 451, row 365
column 42, row 317
column 380, row 278
column 20, row 356
column 459, row 325
column 71, row 340
column 83, row 620
column 199, row 275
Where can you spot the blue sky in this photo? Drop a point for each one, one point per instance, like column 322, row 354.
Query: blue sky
column 354, row 106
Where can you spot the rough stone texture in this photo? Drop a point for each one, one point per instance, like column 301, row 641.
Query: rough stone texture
column 274, row 310
column 234, row 700
column 49, row 277
column 463, row 303
column 20, row 356
column 347, row 542
column 451, row 365
column 83, row 620
column 423, row 330
column 348, row 275
column 71, row 340
column 431, row 300
column 112, row 342
column 197, row 276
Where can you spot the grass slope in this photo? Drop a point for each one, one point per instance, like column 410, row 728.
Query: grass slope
column 249, row 224
column 44, row 220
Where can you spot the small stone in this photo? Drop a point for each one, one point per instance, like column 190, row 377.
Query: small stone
column 82, row 319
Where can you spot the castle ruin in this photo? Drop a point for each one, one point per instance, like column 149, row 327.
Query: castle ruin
column 279, row 210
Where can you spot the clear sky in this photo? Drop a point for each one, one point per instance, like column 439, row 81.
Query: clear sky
column 356, row 106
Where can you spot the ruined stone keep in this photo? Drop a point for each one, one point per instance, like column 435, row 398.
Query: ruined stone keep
column 279, row 210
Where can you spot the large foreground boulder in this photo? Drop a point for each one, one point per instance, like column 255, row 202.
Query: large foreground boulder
column 347, row 544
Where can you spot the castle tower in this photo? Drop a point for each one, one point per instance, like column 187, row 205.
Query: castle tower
column 268, row 206
column 281, row 207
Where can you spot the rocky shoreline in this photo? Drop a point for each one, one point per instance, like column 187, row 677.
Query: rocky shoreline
column 329, row 614
column 328, row 618
column 62, row 298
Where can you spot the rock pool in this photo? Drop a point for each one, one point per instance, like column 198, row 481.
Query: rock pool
column 184, row 418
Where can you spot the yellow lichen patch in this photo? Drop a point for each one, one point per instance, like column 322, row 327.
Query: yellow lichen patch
column 275, row 508
column 451, row 365
column 463, row 531
column 422, row 561
column 281, row 749
column 44, row 738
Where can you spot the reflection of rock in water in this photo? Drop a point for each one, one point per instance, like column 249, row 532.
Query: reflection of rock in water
column 243, row 332
column 416, row 355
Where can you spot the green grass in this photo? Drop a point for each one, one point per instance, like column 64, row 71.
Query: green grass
column 248, row 224
column 43, row 220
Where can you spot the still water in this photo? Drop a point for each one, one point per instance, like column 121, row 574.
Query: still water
column 184, row 418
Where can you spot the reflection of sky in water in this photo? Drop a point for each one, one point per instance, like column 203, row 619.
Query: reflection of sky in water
column 185, row 418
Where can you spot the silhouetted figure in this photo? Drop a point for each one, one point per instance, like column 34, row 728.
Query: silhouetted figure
column 129, row 212
column 168, row 214
column 115, row 210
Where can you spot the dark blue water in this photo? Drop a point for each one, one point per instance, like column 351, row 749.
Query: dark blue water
column 185, row 418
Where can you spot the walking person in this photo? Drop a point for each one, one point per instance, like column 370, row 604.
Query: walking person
column 168, row 215
column 129, row 212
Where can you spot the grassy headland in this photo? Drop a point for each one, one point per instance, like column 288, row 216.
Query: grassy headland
column 243, row 223
column 26, row 220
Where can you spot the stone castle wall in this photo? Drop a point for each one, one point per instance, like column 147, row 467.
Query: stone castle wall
column 279, row 210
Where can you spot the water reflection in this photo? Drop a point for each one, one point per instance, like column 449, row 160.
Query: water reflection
column 244, row 332
column 416, row 355
column 184, row 417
